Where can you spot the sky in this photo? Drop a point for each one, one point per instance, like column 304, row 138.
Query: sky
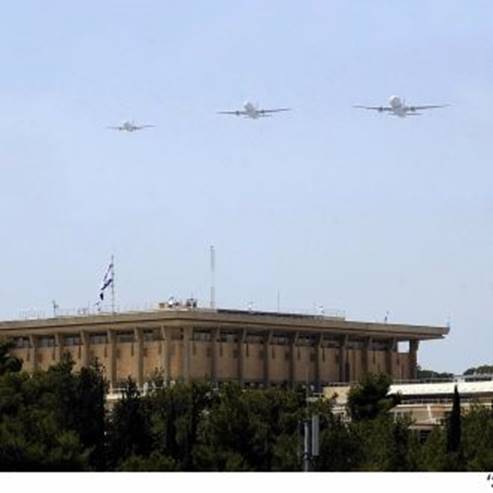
column 325, row 205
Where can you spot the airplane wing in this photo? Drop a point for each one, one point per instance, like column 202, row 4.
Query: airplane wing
column 140, row 127
column 274, row 110
column 237, row 112
column 376, row 108
column 115, row 128
column 427, row 107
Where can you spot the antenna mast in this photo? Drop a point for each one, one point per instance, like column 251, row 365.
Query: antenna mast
column 213, row 275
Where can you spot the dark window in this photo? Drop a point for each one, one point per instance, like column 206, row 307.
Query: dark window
column 125, row 337
column 46, row 341
column 71, row 341
column 21, row 342
column 97, row 338
column 151, row 335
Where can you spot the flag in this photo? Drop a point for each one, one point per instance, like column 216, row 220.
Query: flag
column 107, row 280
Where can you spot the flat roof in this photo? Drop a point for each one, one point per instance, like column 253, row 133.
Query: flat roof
column 223, row 319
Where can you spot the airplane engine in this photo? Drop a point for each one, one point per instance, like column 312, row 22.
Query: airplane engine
column 380, row 109
column 412, row 108
column 395, row 102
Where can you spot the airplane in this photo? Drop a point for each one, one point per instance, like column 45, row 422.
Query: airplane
column 251, row 110
column 398, row 107
column 129, row 126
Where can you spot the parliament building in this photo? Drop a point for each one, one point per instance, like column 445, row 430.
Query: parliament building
column 218, row 345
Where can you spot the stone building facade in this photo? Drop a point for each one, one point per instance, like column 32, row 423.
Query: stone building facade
column 253, row 348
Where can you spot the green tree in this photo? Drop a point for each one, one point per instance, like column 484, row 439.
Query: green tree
column 129, row 427
column 8, row 362
column 480, row 370
column 369, row 398
column 454, row 424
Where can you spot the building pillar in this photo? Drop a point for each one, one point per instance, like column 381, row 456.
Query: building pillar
column 58, row 346
column 343, row 360
column 413, row 359
column 318, row 363
column 139, row 357
column 33, row 351
column 292, row 359
column 111, row 335
column 215, row 335
column 187, row 337
column 367, row 345
column 166, row 354
column 389, row 357
column 241, row 357
column 267, row 344
column 85, row 346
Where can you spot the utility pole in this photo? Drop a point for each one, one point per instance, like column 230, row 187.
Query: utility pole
column 311, row 448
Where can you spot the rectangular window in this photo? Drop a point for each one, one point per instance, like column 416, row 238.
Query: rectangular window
column 97, row 339
column 21, row 342
column 125, row 337
column 201, row 336
column 151, row 335
column 71, row 341
column 46, row 341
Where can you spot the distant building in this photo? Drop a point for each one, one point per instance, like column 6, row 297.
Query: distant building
column 251, row 347
column 427, row 403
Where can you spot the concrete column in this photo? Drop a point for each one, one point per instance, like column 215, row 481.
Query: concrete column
column 139, row 357
column 166, row 353
column 413, row 358
column 389, row 357
column 58, row 347
column 367, row 355
column 241, row 357
column 318, row 363
column 343, row 361
column 267, row 344
column 33, row 353
column 215, row 334
column 112, row 358
column 292, row 359
column 187, row 337
column 85, row 347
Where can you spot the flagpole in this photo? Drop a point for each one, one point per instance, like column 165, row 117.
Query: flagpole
column 113, row 284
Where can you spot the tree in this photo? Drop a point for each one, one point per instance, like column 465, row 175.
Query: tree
column 423, row 374
column 369, row 398
column 129, row 426
column 8, row 362
column 480, row 370
column 454, row 424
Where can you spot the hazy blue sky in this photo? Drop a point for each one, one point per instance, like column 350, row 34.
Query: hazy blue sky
column 328, row 204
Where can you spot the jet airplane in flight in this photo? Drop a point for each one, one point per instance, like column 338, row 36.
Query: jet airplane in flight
column 130, row 126
column 251, row 110
column 398, row 107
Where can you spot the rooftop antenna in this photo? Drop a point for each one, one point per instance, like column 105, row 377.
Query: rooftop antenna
column 213, row 275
